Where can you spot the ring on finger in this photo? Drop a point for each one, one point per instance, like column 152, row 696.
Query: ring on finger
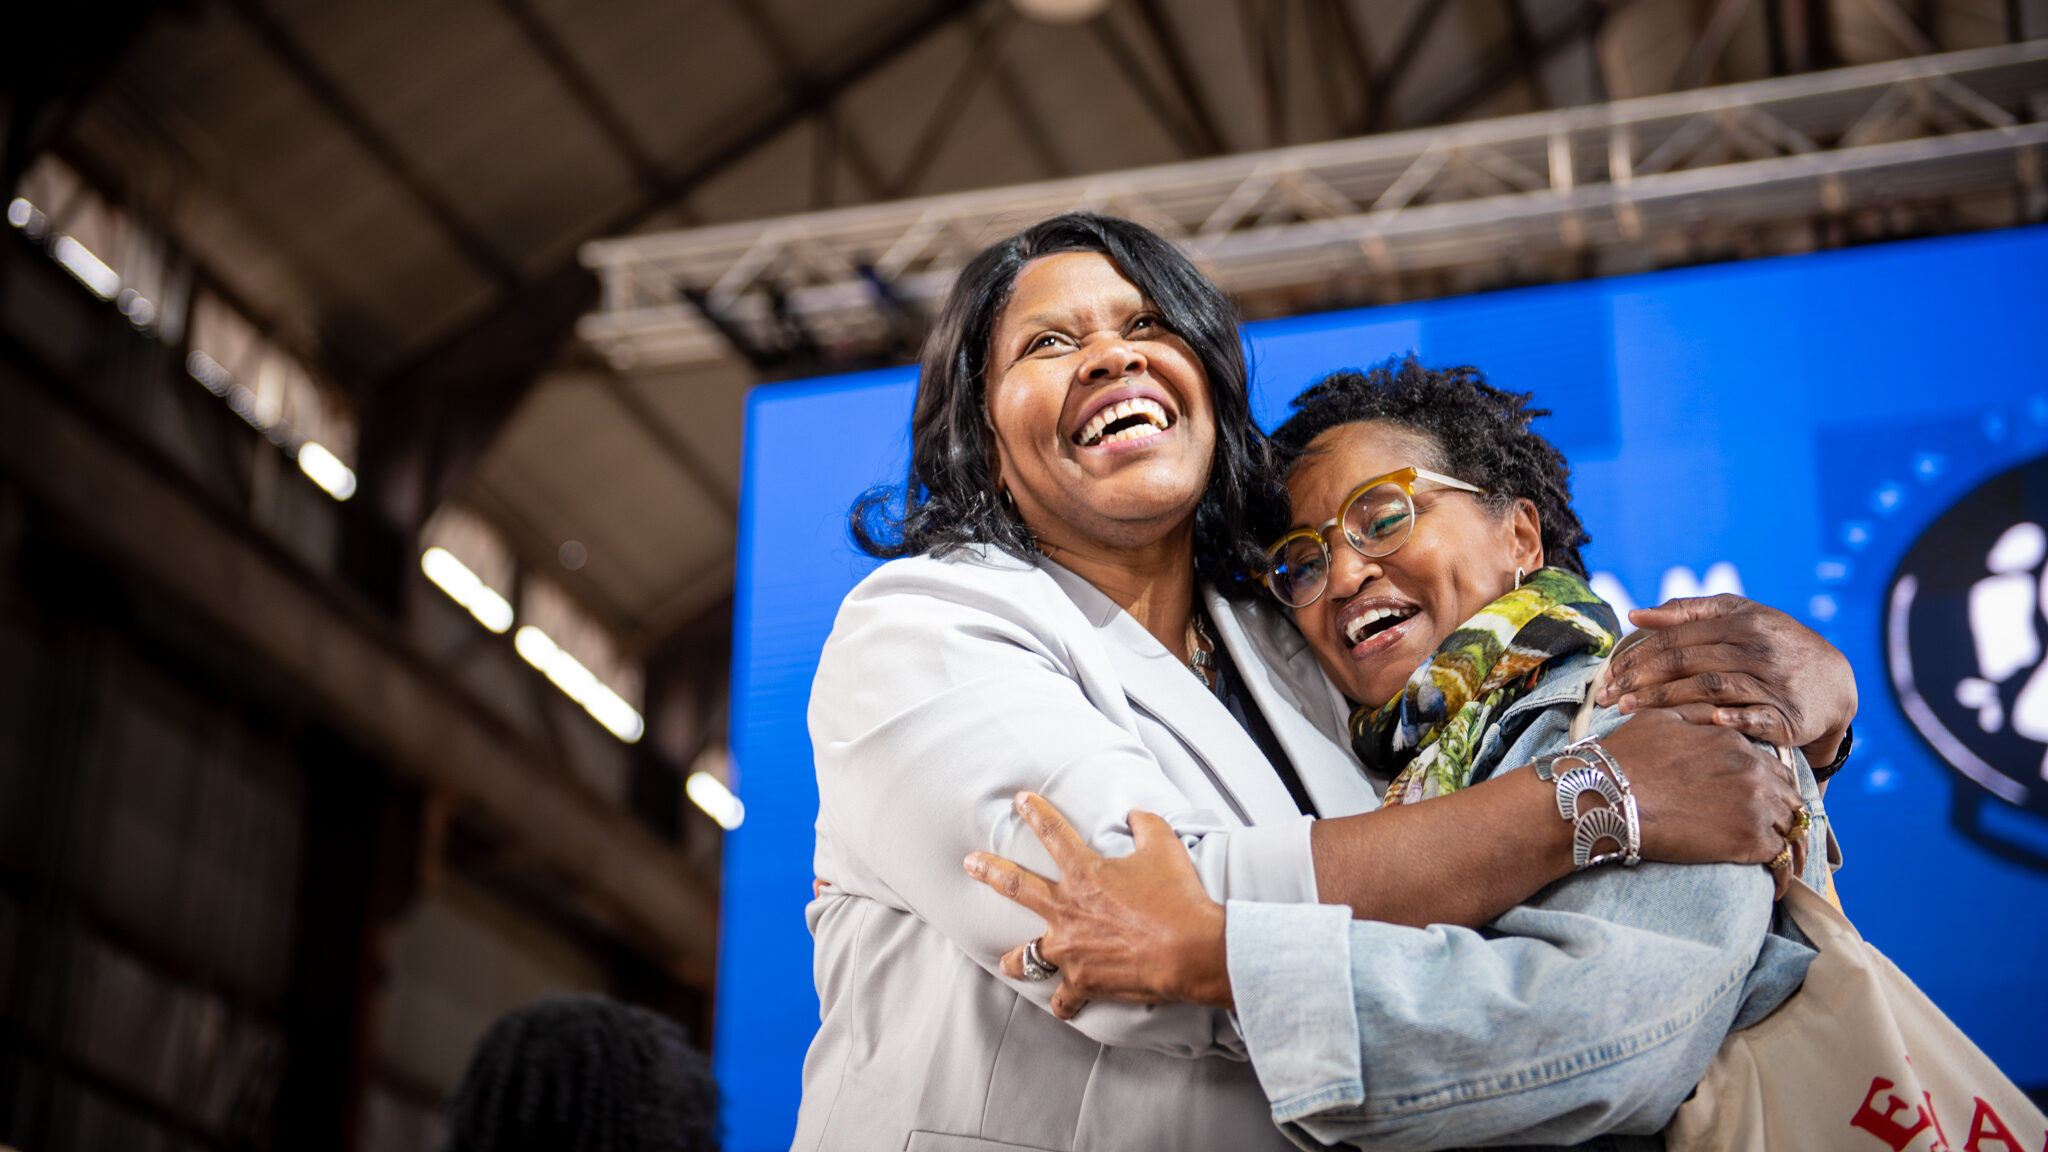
column 1802, row 821
column 1037, row 967
column 1782, row 860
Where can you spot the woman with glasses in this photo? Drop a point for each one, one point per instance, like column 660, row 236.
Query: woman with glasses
column 1433, row 568
column 1083, row 472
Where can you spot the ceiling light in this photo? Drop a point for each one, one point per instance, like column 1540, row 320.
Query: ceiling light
column 568, row 673
column 326, row 469
column 90, row 269
column 1061, row 11
column 710, row 793
column 465, row 588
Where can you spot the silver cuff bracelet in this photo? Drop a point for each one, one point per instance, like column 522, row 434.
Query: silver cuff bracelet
column 1615, row 820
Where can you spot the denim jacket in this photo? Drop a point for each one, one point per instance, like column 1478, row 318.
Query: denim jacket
column 1585, row 1015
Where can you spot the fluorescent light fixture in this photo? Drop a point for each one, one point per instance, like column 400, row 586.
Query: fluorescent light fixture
column 604, row 705
column 463, row 586
column 137, row 308
column 326, row 469
column 19, row 211
column 90, row 270
column 710, row 793
column 208, row 371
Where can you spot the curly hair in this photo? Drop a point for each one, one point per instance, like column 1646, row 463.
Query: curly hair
column 948, row 499
column 1480, row 435
column 584, row 1074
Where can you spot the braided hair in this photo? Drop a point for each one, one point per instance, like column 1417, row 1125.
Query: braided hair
column 1480, row 433
column 584, row 1074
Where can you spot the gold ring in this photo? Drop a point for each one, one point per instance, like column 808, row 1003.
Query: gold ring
column 1783, row 859
column 1802, row 821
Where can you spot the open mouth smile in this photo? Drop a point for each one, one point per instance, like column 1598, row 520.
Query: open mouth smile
column 1376, row 622
column 1136, row 418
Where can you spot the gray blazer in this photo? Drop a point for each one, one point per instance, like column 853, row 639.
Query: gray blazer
column 946, row 687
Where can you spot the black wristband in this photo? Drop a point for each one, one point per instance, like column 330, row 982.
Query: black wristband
column 1821, row 772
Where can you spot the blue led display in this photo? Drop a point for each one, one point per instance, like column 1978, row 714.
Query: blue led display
column 1791, row 426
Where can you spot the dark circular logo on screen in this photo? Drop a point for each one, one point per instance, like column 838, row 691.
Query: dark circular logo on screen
column 1966, row 628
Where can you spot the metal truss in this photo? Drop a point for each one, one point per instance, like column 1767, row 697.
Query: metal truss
column 1576, row 180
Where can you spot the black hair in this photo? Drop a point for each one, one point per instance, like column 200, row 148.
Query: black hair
column 949, row 500
column 584, row 1074
column 1480, row 435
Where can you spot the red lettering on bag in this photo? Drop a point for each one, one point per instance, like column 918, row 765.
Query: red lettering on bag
column 1995, row 1130
column 1885, row 1125
column 1940, row 1138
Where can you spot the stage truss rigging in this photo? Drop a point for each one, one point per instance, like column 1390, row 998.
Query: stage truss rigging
column 1316, row 225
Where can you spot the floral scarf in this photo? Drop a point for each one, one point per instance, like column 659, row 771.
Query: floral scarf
column 1431, row 732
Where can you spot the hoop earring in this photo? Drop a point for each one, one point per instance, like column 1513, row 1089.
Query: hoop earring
column 1518, row 577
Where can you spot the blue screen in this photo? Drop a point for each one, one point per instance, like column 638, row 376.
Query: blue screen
column 1787, row 428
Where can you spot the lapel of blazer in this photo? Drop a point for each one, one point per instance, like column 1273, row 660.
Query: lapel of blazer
column 1159, row 683
column 1306, row 712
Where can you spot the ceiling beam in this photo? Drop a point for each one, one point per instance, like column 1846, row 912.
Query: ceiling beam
column 1030, row 125
column 1380, row 93
column 1187, row 134
column 425, row 424
column 1522, row 35
column 1349, row 40
column 1902, row 27
column 1160, row 29
column 54, row 57
column 327, row 92
column 582, row 88
column 685, row 458
column 758, row 20
column 820, row 96
column 952, row 104
column 1713, row 41
column 1508, row 65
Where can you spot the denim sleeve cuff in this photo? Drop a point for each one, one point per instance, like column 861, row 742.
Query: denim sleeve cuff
column 1290, row 972
column 1270, row 862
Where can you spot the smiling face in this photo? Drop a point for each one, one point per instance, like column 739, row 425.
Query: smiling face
column 1103, row 426
column 1380, row 618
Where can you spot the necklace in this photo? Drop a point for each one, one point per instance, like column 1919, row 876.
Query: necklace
column 1199, row 660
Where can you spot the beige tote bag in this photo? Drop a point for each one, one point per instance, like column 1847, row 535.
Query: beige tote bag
column 1859, row 1060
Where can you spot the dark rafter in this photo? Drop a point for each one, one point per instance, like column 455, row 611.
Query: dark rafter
column 842, row 139
column 1260, row 27
column 952, row 103
column 1348, row 38
column 1710, row 44
column 1902, row 27
column 328, row 93
column 1774, row 37
column 679, row 453
column 1523, row 36
column 1187, row 136
column 1507, row 66
column 913, row 30
column 1163, row 38
column 1380, row 93
column 583, row 89
column 1030, row 125
column 1596, row 68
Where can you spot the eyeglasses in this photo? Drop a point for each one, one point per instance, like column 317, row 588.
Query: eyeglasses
column 1377, row 518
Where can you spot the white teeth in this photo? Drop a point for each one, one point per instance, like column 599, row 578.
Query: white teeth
column 1151, row 410
column 1358, row 624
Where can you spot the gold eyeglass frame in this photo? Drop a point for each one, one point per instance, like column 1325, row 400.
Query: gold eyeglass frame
column 1404, row 479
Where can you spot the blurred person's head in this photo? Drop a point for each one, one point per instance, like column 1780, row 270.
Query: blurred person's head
column 584, row 1074
column 1446, row 550
column 1043, row 335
